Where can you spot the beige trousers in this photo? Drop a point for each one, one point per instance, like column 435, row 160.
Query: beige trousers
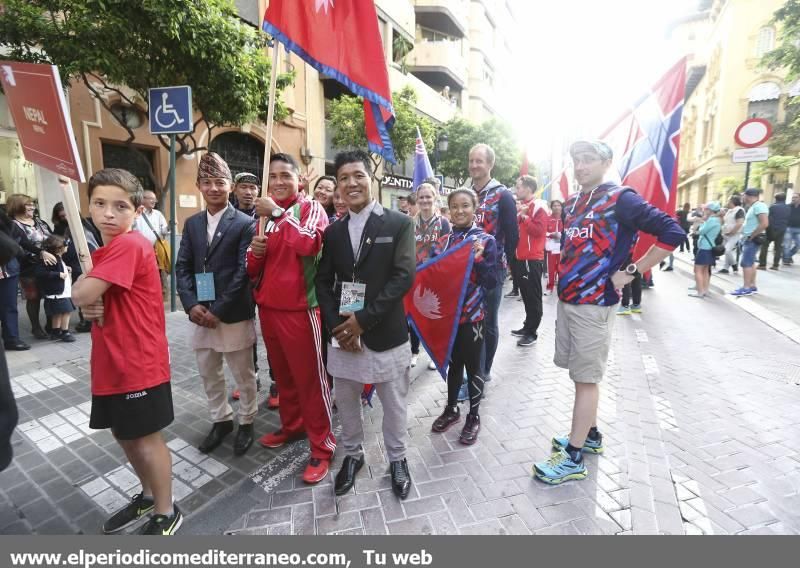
column 209, row 363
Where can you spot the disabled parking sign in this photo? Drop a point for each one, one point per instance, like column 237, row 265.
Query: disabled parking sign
column 171, row 110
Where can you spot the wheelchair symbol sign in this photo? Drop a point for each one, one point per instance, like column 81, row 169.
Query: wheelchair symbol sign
column 171, row 110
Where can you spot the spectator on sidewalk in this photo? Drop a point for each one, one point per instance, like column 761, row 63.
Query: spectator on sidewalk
column 696, row 219
column 732, row 224
column 153, row 226
column 55, row 282
column 9, row 280
column 369, row 254
column 683, row 220
column 30, row 233
column 9, row 415
column 529, row 257
column 283, row 263
column 756, row 221
column 791, row 241
column 497, row 216
column 552, row 244
column 130, row 373
column 215, row 293
column 779, row 213
column 601, row 228
column 705, row 259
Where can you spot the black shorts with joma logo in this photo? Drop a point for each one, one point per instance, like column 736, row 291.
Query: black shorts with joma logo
column 135, row 414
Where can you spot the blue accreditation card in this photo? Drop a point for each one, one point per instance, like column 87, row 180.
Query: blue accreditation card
column 205, row 287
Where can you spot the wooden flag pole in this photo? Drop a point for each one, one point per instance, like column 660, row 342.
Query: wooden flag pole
column 273, row 81
column 75, row 224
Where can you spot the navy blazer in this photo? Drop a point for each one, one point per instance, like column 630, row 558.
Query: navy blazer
column 387, row 264
column 224, row 257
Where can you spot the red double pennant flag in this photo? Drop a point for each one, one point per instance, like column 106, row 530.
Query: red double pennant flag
column 341, row 39
column 433, row 305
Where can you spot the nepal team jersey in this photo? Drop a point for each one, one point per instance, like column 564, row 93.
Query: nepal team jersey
column 600, row 232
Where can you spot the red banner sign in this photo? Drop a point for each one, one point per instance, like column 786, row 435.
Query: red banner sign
column 37, row 104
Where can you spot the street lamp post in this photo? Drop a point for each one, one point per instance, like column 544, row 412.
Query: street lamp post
column 442, row 143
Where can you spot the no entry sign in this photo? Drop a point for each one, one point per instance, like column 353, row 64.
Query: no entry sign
column 753, row 132
column 36, row 102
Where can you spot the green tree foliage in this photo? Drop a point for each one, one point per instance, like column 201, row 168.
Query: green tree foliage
column 108, row 44
column 463, row 135
column 346, row 119
column 786, row 56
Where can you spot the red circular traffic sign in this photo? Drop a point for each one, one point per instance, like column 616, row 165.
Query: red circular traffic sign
column 753, row 132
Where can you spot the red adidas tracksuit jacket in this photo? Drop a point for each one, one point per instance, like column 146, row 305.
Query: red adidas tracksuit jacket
column 290, row 321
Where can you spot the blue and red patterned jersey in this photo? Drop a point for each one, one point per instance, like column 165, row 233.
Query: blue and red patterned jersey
column 427, row 233
column 484, row 270
column 497, row 216
column 600, row 231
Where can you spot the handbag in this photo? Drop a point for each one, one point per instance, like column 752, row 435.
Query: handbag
column 759, row 239
column 163, row 258
column 717, row 248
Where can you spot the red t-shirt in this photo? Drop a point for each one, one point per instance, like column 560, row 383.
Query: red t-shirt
column 130, row 351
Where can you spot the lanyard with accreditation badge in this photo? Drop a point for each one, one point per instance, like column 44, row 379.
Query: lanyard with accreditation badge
column 354, row 293
column 204, row 281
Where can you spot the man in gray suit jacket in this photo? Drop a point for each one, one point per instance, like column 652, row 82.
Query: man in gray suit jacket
column 370, row 253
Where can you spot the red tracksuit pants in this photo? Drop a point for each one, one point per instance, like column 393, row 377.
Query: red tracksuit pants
column 294, row 344
column 552, row 268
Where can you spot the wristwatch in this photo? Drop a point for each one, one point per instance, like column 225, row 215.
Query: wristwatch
column 631, row 269
column 278, row 212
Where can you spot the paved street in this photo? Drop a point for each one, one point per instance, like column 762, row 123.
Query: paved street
column 700, row 411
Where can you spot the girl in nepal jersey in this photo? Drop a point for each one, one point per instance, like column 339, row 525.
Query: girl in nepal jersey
column 469, row 337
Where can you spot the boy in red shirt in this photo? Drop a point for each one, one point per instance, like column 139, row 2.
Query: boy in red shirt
column 131, row 397
column 532, row 221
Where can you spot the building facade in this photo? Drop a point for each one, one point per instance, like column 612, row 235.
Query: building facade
column 724, row 41
column 451, row 52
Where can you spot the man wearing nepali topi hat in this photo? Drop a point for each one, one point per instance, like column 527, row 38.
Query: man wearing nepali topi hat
column 215, row 292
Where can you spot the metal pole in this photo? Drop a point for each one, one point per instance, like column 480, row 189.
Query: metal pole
column 172, row 224
column 746, row 175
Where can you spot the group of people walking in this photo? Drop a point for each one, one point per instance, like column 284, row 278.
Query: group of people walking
column 328, row 276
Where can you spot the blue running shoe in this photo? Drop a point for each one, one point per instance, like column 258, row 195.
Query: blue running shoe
column 743, row 291
column 558, row 469
column 752, row 291
column 589, row 446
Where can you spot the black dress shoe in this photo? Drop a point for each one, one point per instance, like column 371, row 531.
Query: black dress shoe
column 215, row 437
column 17, row 345
column 347, row 475
column 244, row 439
column 401, row 478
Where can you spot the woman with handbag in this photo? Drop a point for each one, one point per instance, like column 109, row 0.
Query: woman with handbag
column 30, row 232
column 707, row 249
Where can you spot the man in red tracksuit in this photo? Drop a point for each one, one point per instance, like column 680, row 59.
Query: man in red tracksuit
column 283, row 262
column 532, row 221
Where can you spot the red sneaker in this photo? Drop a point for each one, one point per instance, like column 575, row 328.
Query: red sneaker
column 316, row 470
column 278, row 439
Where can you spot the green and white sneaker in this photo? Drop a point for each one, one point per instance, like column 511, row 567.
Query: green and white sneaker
column 589, row 446
column 129, row 514
column 559, row 468
column 163, row 525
